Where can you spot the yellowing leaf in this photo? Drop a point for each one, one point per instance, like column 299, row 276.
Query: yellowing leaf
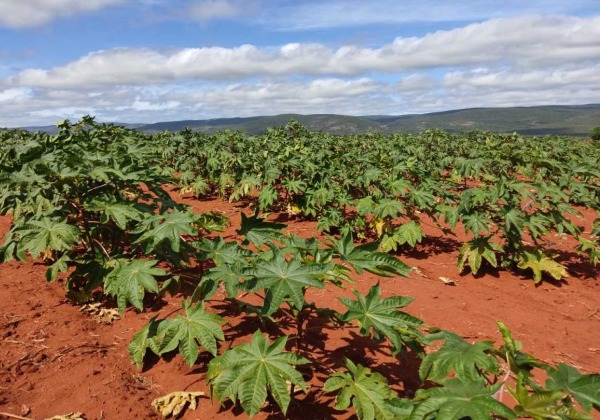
column 175, row 403
column 539, row 262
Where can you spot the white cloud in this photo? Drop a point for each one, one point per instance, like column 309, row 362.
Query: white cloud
column 501, row 62
column 28, row 13
column 525, row 42
column 213, row 9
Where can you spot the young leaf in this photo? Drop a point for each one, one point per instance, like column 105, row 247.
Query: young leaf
column 187, row 332
column 129, row 279
column 381, row 315
column 368, row 392
column 251, row 370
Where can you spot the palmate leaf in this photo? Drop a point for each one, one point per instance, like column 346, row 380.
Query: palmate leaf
column 538, row 262
column 221, row 252
column 584, row 388
column 368, row 392
column 388, row 208
column 187, row 332
column 591, row 248
column 120, row 213
column 257, row 230
column 129, row 279
column 229, row 274
column 366, row 257
column 476, row 223
column 468, row 362
column 458, row 399
column 142, row 341
column 165, row 227
column 38, row 236
column 543, row 404
column 59, row 265
column 382, row 316
column 250, row 371
column 475, row 251
column 284, row 281
column 409, row 233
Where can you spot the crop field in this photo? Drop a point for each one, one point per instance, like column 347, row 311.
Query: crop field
column 298, row 274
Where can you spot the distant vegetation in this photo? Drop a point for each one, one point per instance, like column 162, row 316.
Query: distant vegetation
column 539, row 120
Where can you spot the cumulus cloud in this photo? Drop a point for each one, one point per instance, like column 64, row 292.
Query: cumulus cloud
column 518, row 42
column 29, row 13
column 500, row 62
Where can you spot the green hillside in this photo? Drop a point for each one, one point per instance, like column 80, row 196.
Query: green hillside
column 574, row 120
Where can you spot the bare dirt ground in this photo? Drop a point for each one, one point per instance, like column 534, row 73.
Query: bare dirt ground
column 54, row 359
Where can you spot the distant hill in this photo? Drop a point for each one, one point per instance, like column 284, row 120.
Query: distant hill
column 575, row 120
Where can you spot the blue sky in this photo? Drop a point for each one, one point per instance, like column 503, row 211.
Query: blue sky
column 157, row 60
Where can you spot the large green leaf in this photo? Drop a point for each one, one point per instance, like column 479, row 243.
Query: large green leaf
column 366, row 257
column 383, row 317
column 222, row 252
column 120, row 213
column 469, row 362
column 251, row 370
column 187, row 332
column 129, row 279
column 38, row 236
column 457, row 400
column 368, row 392
column 257, row 230
column 584, row 388
column 543, row 404
column 165, row 227
column 284, row 281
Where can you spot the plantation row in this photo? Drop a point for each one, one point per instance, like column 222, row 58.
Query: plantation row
column 91, row 203
column 505, row 191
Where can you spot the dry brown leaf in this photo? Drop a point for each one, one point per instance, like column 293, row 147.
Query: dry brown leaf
column 175, row 403
column 101, row 315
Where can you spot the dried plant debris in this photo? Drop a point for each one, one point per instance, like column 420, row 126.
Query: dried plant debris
column 70, row 416
column 175, row 403
column 100, row 314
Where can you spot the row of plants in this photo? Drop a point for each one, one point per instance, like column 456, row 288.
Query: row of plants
column 91, row 202
column 507, row 192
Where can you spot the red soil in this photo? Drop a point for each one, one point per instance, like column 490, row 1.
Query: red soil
column 54, row 359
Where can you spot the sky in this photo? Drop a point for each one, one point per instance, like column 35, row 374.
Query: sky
column 142, row 61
